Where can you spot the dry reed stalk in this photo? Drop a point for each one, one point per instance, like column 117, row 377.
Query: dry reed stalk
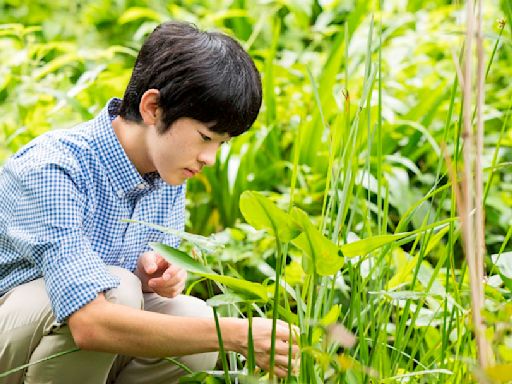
column 479, row 183
column 472, row 182
column 485, row 353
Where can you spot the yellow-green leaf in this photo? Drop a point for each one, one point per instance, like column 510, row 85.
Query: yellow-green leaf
column 262, row 213
column 500, row 372
column 137, row 13
column 321, row 254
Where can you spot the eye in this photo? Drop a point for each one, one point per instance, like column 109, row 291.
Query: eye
column 205, row 137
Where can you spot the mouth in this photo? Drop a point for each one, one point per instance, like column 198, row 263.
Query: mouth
column 189, row 172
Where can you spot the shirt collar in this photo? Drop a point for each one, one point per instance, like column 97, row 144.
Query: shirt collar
column 126, row 180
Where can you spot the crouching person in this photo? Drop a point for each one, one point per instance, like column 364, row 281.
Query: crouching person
column 79, row 283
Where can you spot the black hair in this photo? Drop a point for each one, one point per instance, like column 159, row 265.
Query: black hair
column 206, row 76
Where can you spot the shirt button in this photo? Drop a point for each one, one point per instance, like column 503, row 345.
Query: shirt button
column 141, row 186
column 121, row 260
column 120, row 193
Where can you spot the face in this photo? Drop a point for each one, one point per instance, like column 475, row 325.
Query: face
column 182, row 151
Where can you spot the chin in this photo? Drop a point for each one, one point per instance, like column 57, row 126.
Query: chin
column 173, row 180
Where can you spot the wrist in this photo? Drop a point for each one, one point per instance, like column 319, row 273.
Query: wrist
column 234, row 334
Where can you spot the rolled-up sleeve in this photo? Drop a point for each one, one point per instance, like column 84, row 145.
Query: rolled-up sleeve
column 47, row 230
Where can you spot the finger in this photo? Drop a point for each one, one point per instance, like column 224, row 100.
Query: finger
column 170, row 278
column 158, row 283
column 283, row 330
column 173, row 271
column 179, row 278
column 284, row 349
column 161, row 262
column 149, row 263
column 178, row 290
column 281, row 360
column 280, row 372
column 163, row 288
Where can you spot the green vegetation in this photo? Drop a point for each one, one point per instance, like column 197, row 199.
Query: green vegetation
column 356, row 219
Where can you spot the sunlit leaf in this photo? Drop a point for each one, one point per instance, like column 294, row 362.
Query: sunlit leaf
column 137, row 13
column 321, row 254
column 261, row 291
column 261, row 213
column 229, row 298
column 331, row 316
column 365, row 246
column 180, row 258
column 207, row 244
column 184, row 261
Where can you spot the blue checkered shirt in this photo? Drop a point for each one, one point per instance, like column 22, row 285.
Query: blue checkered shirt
column 63, row 197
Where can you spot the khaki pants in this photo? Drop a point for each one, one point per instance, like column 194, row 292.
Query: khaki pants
column 29, row 332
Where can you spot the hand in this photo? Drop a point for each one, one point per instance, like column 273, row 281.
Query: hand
column 157, row 275
column 262, row 336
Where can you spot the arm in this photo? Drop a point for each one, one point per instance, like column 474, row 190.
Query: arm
column 107, row 327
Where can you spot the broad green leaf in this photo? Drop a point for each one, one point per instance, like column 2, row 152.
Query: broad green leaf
column 261, row 213
column 207, row 244
column 261, row 291
column 403, row 273
column 288, row 315
column 294, row 274
column 308, row 264
column 435, row 239
column 229, row 298
column 331, row 316
column 184, row 261
column 180, row 258
column 365, row 246
column 320, row 252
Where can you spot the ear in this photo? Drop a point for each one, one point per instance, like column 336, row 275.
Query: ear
column 149, row 105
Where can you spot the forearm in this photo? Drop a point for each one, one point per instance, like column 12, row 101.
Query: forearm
column 107, row 327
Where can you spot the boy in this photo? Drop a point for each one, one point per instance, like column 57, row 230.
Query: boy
column 72, row 274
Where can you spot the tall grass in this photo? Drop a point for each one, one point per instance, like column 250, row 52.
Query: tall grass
column 359, row 147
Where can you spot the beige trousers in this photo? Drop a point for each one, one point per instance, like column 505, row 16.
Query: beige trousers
column 29, row 332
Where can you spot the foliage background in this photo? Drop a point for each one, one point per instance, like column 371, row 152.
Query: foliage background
column 62, row 60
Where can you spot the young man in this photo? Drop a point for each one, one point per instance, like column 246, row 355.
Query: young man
column 72, row 274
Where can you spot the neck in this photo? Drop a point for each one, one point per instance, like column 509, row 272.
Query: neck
column 132, row 137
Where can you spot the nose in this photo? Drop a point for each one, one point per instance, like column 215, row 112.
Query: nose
column 208, row 155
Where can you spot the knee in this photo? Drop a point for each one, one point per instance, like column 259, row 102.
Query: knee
column 129, row 291
column 182, row 305
column 201, row 361
column 193, row 307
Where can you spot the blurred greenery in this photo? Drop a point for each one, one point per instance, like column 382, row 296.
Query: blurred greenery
column 352, row 130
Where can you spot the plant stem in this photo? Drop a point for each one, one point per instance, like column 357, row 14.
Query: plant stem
column 219, row 336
